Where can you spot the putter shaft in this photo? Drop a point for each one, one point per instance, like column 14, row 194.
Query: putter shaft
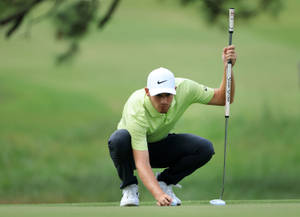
column 224, row 163
column 227, row 97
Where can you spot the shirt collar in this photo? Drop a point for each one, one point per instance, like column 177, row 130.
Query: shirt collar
column 153, row 112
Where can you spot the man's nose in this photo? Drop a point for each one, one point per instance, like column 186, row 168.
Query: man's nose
column 164, row 100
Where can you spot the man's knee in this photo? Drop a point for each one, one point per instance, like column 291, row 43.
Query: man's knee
column 205, row 154
column 119, row 144
column 205, row 149
column 210, row 149
column 204, row 146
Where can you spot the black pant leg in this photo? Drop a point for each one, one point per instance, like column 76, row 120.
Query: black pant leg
column 120, row 149
column 182, row 154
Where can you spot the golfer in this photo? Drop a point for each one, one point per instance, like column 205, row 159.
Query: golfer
column 143, row 140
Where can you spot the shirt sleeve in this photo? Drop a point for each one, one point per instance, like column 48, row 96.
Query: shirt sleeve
column 200, row 93
column 138, row 135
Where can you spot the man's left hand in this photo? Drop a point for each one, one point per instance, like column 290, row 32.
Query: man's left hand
column 229, row 54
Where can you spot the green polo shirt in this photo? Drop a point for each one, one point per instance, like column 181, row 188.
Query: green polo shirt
column 145, row 124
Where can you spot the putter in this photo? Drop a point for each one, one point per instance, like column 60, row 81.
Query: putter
column 220, row 201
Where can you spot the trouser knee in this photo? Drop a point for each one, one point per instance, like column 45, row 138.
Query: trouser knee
column 119, row 145
column 206, row 152
column 210, row 149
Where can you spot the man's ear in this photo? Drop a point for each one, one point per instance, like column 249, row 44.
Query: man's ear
column 147, row 91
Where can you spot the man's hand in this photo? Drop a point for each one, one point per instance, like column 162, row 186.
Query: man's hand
column 164, row 200
column 144, row 170
column 219, row 95
column 229, row 54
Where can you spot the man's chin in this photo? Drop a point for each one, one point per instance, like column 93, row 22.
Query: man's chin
column 164, row 111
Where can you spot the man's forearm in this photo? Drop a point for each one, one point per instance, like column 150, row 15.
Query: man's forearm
column 142, row 163
column 149, row 180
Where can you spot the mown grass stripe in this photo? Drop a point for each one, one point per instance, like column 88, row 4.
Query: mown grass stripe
column 151, row 203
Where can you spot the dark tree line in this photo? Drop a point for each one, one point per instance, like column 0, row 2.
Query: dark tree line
column 72, row 18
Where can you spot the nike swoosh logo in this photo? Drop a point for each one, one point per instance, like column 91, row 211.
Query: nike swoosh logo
column 159, row 82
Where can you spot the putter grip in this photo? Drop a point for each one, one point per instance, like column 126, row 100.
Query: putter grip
column 231, row 19
column 229, row 66
column 228, row 89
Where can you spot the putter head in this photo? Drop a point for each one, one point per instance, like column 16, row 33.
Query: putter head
column 217, row 202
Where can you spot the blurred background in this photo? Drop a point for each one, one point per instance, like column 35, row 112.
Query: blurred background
column 56, row 116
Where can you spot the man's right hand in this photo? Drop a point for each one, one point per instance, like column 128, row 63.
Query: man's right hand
column 164, row 200
column 145, row 172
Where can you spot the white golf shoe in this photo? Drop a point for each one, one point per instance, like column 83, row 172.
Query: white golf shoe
column 130, row 196
column 169, row 191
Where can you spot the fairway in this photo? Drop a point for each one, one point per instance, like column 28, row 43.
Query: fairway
column 197, row 208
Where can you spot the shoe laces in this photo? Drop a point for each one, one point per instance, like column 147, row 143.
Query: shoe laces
column 169, row 190
column 131, row 191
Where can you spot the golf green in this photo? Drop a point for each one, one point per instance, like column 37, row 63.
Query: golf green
column 195, row 208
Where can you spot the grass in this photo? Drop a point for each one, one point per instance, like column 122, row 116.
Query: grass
column 55, row 121
column 289, row 208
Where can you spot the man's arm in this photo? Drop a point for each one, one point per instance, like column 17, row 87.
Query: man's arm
column 219, row 94
column 144, row 170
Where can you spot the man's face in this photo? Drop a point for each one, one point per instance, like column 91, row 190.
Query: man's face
column 161, row 102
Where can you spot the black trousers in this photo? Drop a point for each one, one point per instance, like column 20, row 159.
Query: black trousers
column 180, row 154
